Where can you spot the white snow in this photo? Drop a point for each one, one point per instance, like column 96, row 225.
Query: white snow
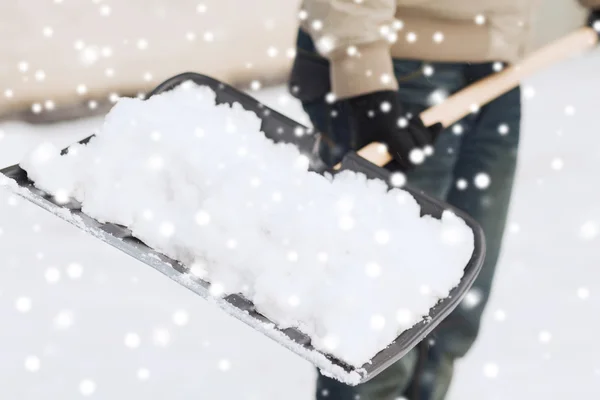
column 208, row 212
column 555, row 289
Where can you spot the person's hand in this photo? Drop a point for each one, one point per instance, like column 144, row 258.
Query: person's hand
column 380, row 117
column 594, row 20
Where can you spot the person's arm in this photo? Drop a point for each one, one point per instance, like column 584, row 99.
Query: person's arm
column 355, row 37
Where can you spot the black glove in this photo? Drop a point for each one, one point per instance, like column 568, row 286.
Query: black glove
column 594, row 20
column 380, row 117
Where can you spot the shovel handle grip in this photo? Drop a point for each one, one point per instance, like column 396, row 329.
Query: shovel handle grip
column 482, row 92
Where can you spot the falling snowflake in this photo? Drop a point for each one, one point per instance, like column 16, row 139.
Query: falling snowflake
column 397, row 179
column 346, row 222
column 161, row 337
column 142, row 44
column 8, row 93
column 382, row 236
column 63, row 320
column 570, row 110
column 462, row 184
column 529, row 92
column 36, row 108
column 428, row 70
column 294, row 301
column 202, row 218
column 48, row 31
column 197, row 269
column 404, row 317
column 385, row 106
column 482, row 180
column 480, row 19
column 500, row 315
column 216, row 289
column 181, row 318
column 52, row 275
column 503, row 129
column 498, row 66
column 105, row 10
column 277, row 197
column 224, row 365
column 416, row 156
column 557, row 164
column 49, row 105
column 106, row 52
column 411, row 37
column 74, row 271
column 373, row 270
column 167, row 229
column 331, row 342
column 292, row 256
column 589, row 230
column 32, row 364
column 457, row 129
column 583, row 293
column 79, row 45
column 545, row 337
column 61, row 196
column 322, row 257
column 425, row 290
column 472, row 299
column 326, row 44
column 397, row 25
column 209, row 37
column 201, row 8
column 81, row 89
column 290, row 53
column 132, row 340
column 255, row 85
column 155, row 162
column 87, row 387
column 377, row 322
column 143, row 374
column 490, row 370
column 514, row 228
column 23, row 304
column 352, row 51
column 272, row 51
column 438, row 37
column 302, row 162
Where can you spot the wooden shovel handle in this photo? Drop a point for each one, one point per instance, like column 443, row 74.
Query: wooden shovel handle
column 482, row 92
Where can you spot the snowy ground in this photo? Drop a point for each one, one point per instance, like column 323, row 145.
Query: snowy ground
column 78, row 317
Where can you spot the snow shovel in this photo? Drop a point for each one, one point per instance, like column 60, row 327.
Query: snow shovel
column 367, row 161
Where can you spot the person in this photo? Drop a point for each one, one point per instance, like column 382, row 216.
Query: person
column 364, row 70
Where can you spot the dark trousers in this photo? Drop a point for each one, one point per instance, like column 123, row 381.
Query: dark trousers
column 485, row 143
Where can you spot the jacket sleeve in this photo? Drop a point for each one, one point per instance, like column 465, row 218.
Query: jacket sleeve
column 592, row 4
column 355, row 36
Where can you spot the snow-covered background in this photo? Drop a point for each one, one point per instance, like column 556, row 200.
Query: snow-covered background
column 78, row 318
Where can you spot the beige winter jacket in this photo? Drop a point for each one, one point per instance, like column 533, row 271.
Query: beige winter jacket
column 360, row 37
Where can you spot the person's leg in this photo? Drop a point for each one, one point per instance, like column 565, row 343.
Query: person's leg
column 487, row 160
